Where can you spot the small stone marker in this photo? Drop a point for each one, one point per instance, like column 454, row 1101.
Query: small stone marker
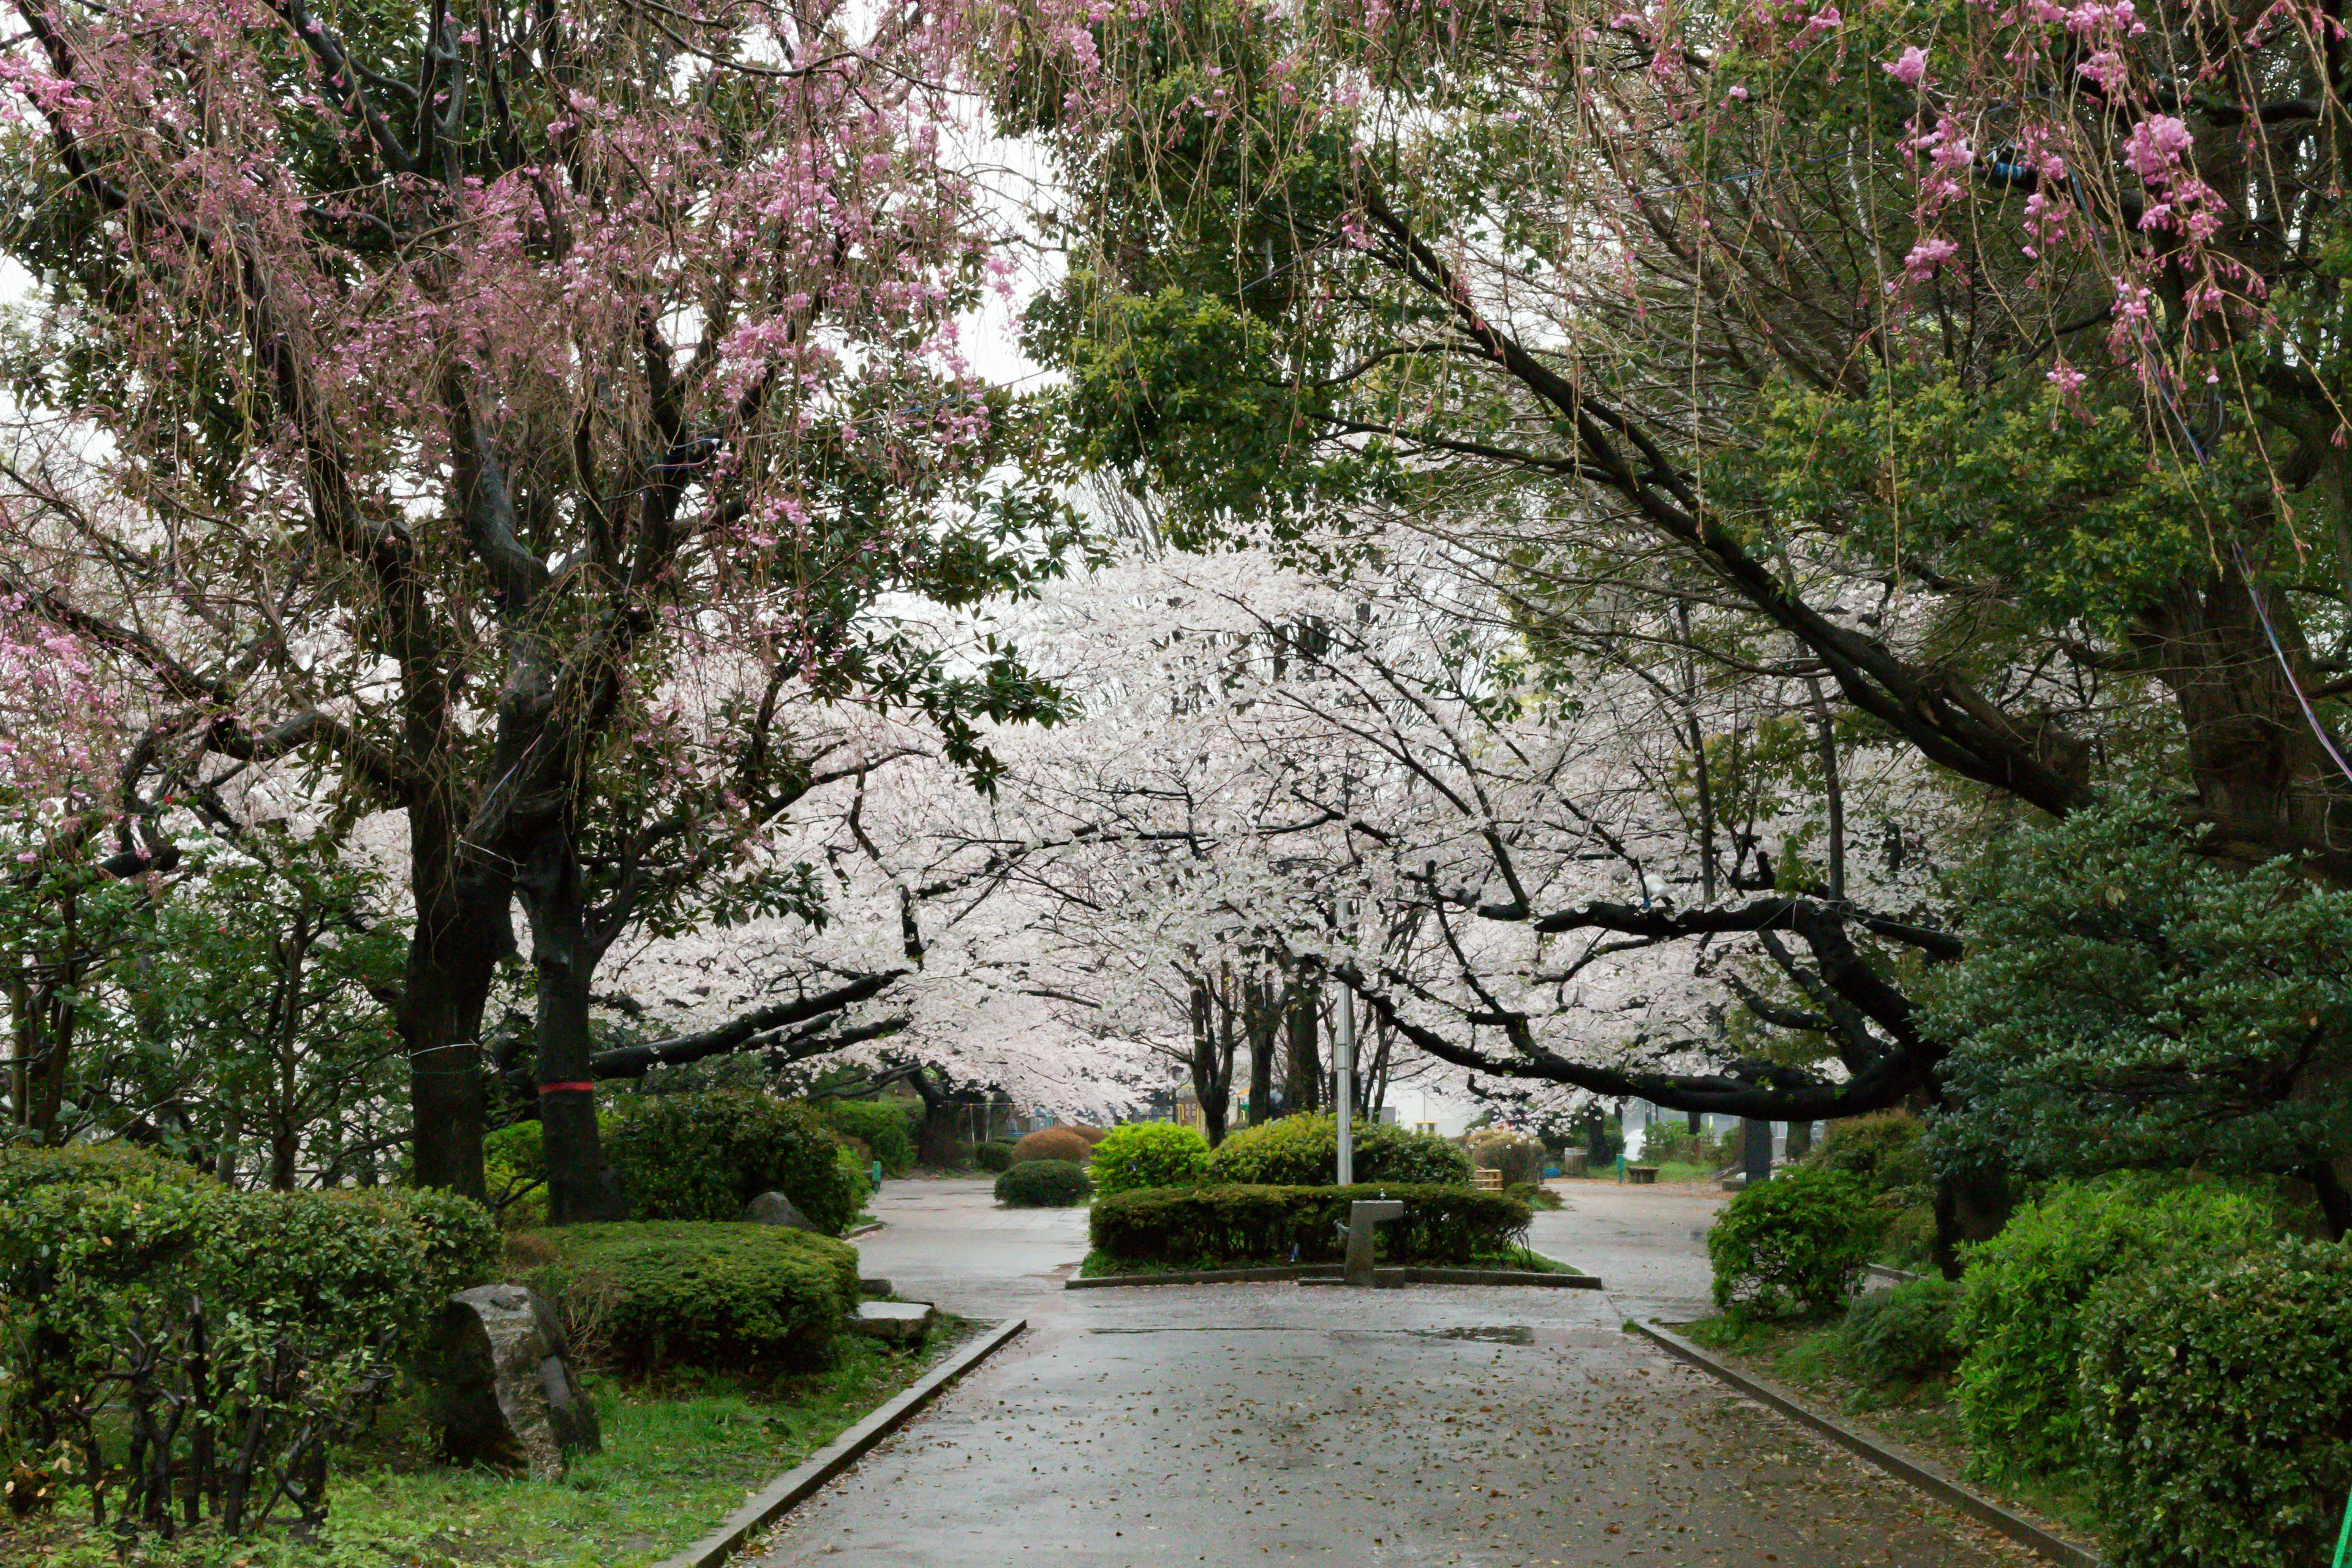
column 774, row 1208
column 501, row 1394
column 894, row 1323
column 1362, row 1215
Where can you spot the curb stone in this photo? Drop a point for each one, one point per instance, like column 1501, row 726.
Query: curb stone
column 866, row 1230
column 1901, row 1463
column 797, row 1484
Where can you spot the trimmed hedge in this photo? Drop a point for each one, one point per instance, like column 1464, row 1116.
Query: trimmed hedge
column 702, row 1294
column 1150, row 1154
column 882, row 1125
column 2217, row 1405
column 220, row 1323
column 1303, row 1151
column 1794, row 1247
column 1053, row 1143
column 703, row 1156
column 1221, row 1226
column 1907, row 1332
column 993, row 1156
column 2022, row 1295
column 1044, row 1184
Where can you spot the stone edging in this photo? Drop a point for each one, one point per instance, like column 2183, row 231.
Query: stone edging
column 1900, row 1276
column 866, row 1230
column 796, row 1484
column 1900, row 1463
column 1329, row 1273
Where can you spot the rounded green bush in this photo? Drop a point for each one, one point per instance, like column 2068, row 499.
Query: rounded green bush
column 882, row 1125
column 993, row 1156
column 1900, row 1335
column 1150, row 1154
column 1044, row 1184
column 1053, row 1144
column 1880, row 1150
column 1302, row 1150
column 697, row 1294
column 2022, row 1293
column 1794, row 1247
column 2217, row 1406
column 1519, row 1156
column 702, row 1156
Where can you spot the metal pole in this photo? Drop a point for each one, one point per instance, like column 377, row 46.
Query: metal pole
column 1346, row 1073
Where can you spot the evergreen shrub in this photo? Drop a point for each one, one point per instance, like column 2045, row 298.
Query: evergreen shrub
column 1880, row 1150
column 2216, row 1409
column 704, row 1156
column 1150, row 1154
column 1519, row 1156
column 1794, row 1247
column 1053, row 1143
column 1303, row 1151
column 1044, row 1184
column 2022, row 1295
column 882, row 1125
column 1241, row 1224
column 1900, row 1335
column 701, row 1293
column 993, row 1156
column 206, row 1322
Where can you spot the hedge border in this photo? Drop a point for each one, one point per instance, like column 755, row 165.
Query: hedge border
column 796, row 1484
column 1331, row 1273
column 1901, row 1463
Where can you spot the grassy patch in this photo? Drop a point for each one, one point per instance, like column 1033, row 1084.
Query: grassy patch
column 681, row 1453
column 1918, row 1415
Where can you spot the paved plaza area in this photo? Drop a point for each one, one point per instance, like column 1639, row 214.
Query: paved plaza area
column 1247, row 1423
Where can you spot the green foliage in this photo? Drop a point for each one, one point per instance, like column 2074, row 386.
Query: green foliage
column 1053, row 1143
column 2126, row 1002
column 1793, row 1246
column 1675, row 1141
column 882, row 1125
column 993, row 1156
column 1150, row 1154
column 514, row 1176
column 1219, row 1225
column 1900, row 1335
column 1534, row 1194
column 703, row 1156
column 2217, row 1407
column 1303, row 1151
column 1519, row 1156
column 1044, row 1184
column 2023, row 1292
column 703, row 1294
column 268, row 1319
column 1881, row 1151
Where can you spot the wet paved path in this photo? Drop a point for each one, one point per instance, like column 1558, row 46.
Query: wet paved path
column 1233, row 1424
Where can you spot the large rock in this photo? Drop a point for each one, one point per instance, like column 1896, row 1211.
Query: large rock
column 893, row 1322
column 502, row 1394
column 774, row 1208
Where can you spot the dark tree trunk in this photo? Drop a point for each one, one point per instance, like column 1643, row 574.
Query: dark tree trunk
column 1262, row 1011
column 1303, row 1078
column 580, row 1188
column 1800, row 1141
column 1214, row 1041
column 462, row 931
column 2335, row 1202
column 1756, row 1149
column 1970, row 1205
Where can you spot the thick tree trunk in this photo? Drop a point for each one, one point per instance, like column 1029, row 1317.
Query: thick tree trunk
column 1262, row 1011
column 579, row 1187
column 1970, row 1205
column 462, row 931
column 1303, row 1077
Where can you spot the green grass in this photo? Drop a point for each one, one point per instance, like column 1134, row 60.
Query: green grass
column 680, row 1455
column 1918, row 1415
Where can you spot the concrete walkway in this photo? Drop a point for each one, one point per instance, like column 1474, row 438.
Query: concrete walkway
column 1270, row 1422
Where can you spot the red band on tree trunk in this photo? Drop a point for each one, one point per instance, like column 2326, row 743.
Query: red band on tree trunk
column 560, row 1088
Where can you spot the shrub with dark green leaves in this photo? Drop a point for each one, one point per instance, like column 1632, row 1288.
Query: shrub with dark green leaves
column 703, row 1156
column 993, row 1156
column 1044, row 1184
column 1880, row 1150
column 2216, row 1409
column 217, row 1322
column 1900, row 1335
column 1150, row 1154
column 882, row 1125
column 720, row 1295
column 1217, row 1227
column 1303, row 1151
column 2022, row 1294
column 1053, row 1143
column 1794, row 1247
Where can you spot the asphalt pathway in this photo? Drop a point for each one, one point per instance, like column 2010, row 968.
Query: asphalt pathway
column 1233, row 1424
